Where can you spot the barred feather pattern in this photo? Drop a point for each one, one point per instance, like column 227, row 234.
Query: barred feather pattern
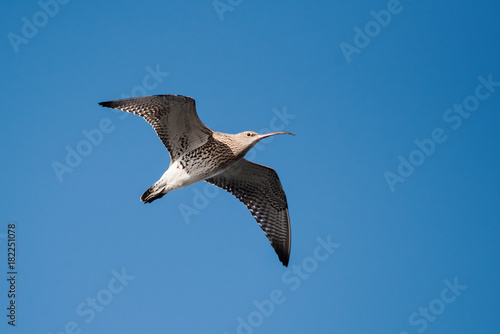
column 259, row 188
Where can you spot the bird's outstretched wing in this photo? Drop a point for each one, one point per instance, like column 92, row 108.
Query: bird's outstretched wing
column 173, row 117
column 259, row 188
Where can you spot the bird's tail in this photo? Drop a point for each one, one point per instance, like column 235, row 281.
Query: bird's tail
column 154, row 192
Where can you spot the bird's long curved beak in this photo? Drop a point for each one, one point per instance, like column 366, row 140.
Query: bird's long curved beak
column 265, row 135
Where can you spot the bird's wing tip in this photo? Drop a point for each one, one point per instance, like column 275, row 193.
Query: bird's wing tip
column 284, row 257
column 114, row 103
column 108, row 104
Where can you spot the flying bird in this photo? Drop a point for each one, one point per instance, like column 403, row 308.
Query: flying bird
column 198, row 153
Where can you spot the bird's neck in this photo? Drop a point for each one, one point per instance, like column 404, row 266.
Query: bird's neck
column 238, row 148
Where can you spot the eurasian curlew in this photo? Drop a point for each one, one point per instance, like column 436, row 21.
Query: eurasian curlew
column 198, row 153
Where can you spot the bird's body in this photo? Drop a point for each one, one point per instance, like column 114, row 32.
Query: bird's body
column 205, row 161
column 212, row 158
column 198, row 153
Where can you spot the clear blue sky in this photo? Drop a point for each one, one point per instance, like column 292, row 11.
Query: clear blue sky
column 392, row 179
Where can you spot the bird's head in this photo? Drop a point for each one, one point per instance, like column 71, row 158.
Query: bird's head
column 248, row 139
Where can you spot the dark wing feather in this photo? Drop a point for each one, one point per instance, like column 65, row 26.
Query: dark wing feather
column 259, row 188
column 173, row 117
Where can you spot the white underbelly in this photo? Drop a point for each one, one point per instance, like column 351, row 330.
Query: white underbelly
column 176, row 177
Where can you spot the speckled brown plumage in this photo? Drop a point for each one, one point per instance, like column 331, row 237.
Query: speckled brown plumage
column 198, row 153
column 173, row 117
column 259, row 188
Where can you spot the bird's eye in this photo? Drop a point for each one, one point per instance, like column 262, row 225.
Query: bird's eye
column 249, row 134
